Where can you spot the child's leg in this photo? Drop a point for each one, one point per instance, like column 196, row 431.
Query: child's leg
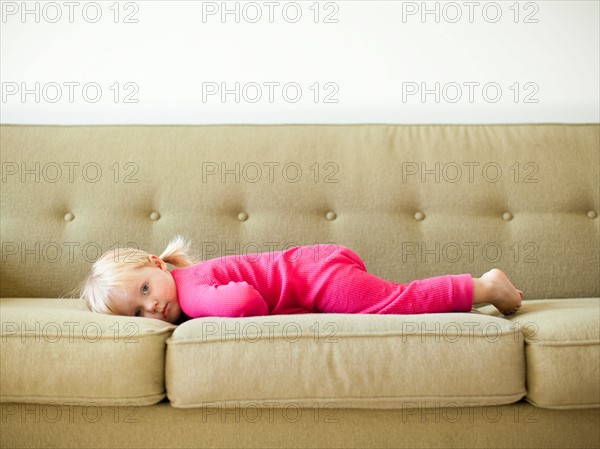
column 350, row 289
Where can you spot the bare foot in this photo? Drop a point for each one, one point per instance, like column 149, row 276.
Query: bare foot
column 495, row 288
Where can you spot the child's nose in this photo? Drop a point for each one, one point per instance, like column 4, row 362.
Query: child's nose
column 152, row 306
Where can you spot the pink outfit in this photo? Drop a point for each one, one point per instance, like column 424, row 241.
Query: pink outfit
column 309, row 279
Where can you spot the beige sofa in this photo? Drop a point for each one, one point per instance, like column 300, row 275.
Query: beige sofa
column 414, row 201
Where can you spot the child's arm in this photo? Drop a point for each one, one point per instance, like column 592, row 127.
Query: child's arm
column 236, row 299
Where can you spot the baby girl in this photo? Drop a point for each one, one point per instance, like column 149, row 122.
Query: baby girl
column 320, row 278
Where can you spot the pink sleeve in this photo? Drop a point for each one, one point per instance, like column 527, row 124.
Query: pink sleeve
column 236, row 299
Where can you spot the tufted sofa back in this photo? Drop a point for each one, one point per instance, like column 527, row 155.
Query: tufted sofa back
column 413, row 200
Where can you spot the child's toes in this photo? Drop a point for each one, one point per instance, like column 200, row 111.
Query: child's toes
column 511, row 311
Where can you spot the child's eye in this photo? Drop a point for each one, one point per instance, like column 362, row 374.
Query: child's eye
column 137, row 312
column 145, row 288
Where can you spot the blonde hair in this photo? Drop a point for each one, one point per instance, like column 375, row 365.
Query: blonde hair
column 113, row 271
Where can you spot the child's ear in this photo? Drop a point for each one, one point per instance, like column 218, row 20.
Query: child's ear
column 157, row 261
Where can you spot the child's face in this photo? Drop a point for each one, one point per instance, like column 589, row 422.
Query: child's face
column 152, row 294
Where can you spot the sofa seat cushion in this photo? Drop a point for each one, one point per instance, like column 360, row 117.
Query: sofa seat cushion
column 56, row 351
column 346, row 360
column 562, row 347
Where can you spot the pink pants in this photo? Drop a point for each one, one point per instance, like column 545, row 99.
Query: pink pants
column 351, row 289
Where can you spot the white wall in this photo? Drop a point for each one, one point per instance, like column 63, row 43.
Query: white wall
column 361, row 57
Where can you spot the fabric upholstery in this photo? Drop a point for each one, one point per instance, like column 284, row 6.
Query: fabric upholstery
column 562, row 344
column 53, row 351
column 358, row 361
column 518, row 425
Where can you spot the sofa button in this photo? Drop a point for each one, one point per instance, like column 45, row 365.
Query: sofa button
column 419, row 216
column 242, row 216
column 507, row 216
column 154, row 216
column 330, row 216
column 69, row 216
column 592, row 214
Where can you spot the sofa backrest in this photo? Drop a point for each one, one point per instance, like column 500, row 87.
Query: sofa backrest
column 414, row 201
